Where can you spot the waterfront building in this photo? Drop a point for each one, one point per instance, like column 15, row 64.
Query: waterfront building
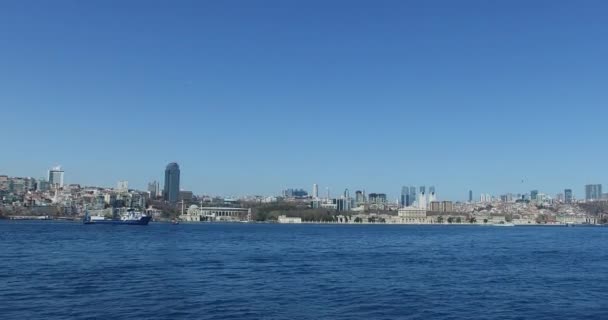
column 196, row 213
column 593, row 192
column 56, row 177
column 411, row 215
column 286, row 219
column 315, row 191
column 172, row 175
column 568, row 196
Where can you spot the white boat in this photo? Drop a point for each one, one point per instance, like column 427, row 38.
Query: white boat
column 503, row 225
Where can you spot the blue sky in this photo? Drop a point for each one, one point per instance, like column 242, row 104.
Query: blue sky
column 250, row 97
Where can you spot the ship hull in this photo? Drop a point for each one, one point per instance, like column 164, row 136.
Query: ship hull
column 143, row 221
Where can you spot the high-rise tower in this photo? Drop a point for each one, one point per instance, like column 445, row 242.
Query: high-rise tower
column 171, row 192
column 56, row 177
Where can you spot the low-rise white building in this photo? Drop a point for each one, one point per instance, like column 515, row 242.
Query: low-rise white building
column 196, row 213
column 286, row 219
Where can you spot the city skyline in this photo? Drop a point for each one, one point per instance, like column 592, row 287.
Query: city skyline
column 406, row 196
column 503, row 98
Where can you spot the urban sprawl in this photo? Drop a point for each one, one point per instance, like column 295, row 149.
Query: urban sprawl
column 50, row 198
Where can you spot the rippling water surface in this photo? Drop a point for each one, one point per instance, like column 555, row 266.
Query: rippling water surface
column 51, row 270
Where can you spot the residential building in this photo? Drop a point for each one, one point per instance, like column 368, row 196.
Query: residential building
column 295, row 193
column 377, row 198
column 42, row 185
column 186, row 196
column 593, row 192
column 5, row 183
column 359, row 197
column 153, row 189
column 122, row 186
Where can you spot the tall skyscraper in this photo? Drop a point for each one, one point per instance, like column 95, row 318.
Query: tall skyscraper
column 593, row 192
column 171, row 192
column 405, row 192
column 470, row 196
column 534, row 195
column 412, row 196
column 315, row 191
column 422, row 189
column 568, row 196
column 432, row 190
column 56, row 177
column 359, row 197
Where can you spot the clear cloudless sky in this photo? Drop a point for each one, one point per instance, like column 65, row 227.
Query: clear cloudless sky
column 251, row 97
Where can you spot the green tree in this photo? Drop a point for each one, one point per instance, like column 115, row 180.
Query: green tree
column 458, row 220
column 450, row 219
column 472, row 220
column 485, row 220
column 440, row 219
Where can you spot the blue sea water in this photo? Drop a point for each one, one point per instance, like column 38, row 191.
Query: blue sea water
column 51, row 270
